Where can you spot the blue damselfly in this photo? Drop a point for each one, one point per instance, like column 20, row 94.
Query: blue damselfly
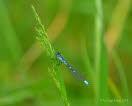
column 74, row 71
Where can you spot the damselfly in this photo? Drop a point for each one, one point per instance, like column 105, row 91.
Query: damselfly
column 74, row 71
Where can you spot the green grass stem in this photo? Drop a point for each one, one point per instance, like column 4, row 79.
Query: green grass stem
column 101, row 58
column 55, row 71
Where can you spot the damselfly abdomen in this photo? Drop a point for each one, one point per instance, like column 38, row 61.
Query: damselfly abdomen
column 74, row 71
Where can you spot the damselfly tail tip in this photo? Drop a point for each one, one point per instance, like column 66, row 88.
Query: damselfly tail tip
column 86, row 82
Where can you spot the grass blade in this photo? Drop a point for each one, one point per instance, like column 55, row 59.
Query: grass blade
column 87, row 63
column 116, row 26
column 121, row 72
column 101, row 61
column 8, row 34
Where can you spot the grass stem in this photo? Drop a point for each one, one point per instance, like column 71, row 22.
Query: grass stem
column 101, row 58
column 55, row 71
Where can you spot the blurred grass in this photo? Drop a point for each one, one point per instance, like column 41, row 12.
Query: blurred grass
column 122, row 74
column 11, row 41
column 117, row 23
column 101, row 57
column 124, row 91
column 65, row 19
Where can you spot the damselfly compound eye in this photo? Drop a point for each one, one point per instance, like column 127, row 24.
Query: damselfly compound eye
column 58, row 53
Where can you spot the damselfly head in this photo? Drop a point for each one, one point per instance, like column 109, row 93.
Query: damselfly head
column 58, row 53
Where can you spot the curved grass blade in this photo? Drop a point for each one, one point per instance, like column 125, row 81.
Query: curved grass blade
column 121, row 72
column 9, row 35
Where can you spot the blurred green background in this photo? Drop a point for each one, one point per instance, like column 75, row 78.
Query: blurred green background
column 70, row 24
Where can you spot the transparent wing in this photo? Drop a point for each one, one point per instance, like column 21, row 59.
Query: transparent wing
column 79, row 76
